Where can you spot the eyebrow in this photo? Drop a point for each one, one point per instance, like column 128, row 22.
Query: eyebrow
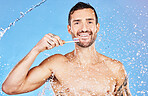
column 76, row 20
column 90, row 19
column 80, row 19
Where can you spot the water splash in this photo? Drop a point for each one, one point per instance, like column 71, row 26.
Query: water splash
column 3, row 31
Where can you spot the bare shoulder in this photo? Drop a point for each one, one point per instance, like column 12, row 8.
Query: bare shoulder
column 57, row 57
column 114, row 65
column 54, row 60
column 122, row 84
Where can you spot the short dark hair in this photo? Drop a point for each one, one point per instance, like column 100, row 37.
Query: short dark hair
column 81, row 5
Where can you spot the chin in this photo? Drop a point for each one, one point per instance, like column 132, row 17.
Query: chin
column 84, row 45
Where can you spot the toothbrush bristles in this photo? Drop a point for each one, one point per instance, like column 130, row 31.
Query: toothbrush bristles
column 76, row 39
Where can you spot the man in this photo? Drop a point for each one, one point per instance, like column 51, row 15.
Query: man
column 82, row 72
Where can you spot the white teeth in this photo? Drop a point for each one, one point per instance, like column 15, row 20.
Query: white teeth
column 84, row 35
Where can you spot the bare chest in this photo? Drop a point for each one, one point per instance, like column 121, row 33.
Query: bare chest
column 92, row 80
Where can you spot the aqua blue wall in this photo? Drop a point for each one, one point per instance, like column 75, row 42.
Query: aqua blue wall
column 122, row 36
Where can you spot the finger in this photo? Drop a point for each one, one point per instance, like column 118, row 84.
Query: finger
column 63, row 41
column 51, row 35
column 54, row 38
column 52, row 43
column 50, row 39
column 49, row 46
column 47, row 43
column 56, row 42
column 48, row 36
column 59, row 40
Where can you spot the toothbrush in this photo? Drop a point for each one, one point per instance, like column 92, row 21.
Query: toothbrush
column 74, row 40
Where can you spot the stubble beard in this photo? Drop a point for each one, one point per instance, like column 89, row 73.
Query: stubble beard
column 81, row 44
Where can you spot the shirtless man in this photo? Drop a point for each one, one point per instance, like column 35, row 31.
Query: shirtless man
column 82, row 72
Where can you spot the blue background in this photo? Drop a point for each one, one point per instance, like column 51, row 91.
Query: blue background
column 122, row 36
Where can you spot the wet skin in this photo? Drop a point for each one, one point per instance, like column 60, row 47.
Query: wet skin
column 82, row 72
column 97, row 79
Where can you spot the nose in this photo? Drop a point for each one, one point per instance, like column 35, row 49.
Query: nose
column 84, row 27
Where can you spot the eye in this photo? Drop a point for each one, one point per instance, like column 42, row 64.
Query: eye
column 90, row 22
column 76, row 23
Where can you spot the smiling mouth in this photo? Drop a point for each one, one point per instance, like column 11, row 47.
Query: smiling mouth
column 84, row 36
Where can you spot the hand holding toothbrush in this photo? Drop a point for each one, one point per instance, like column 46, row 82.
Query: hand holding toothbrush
column 50, row 41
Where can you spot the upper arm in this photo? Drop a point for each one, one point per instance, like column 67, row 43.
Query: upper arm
column 37, row 76
column 122, row 88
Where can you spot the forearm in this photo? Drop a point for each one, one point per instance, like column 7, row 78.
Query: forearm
column 20, row 71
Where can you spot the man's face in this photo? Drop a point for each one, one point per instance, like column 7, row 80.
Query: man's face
column 84, row 27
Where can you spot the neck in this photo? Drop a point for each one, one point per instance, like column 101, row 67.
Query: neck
column 85, row 56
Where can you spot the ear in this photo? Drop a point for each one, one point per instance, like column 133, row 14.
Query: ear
column 69, row 29
column 98, row 27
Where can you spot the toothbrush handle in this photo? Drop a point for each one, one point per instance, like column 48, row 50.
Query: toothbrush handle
column 69, row 41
